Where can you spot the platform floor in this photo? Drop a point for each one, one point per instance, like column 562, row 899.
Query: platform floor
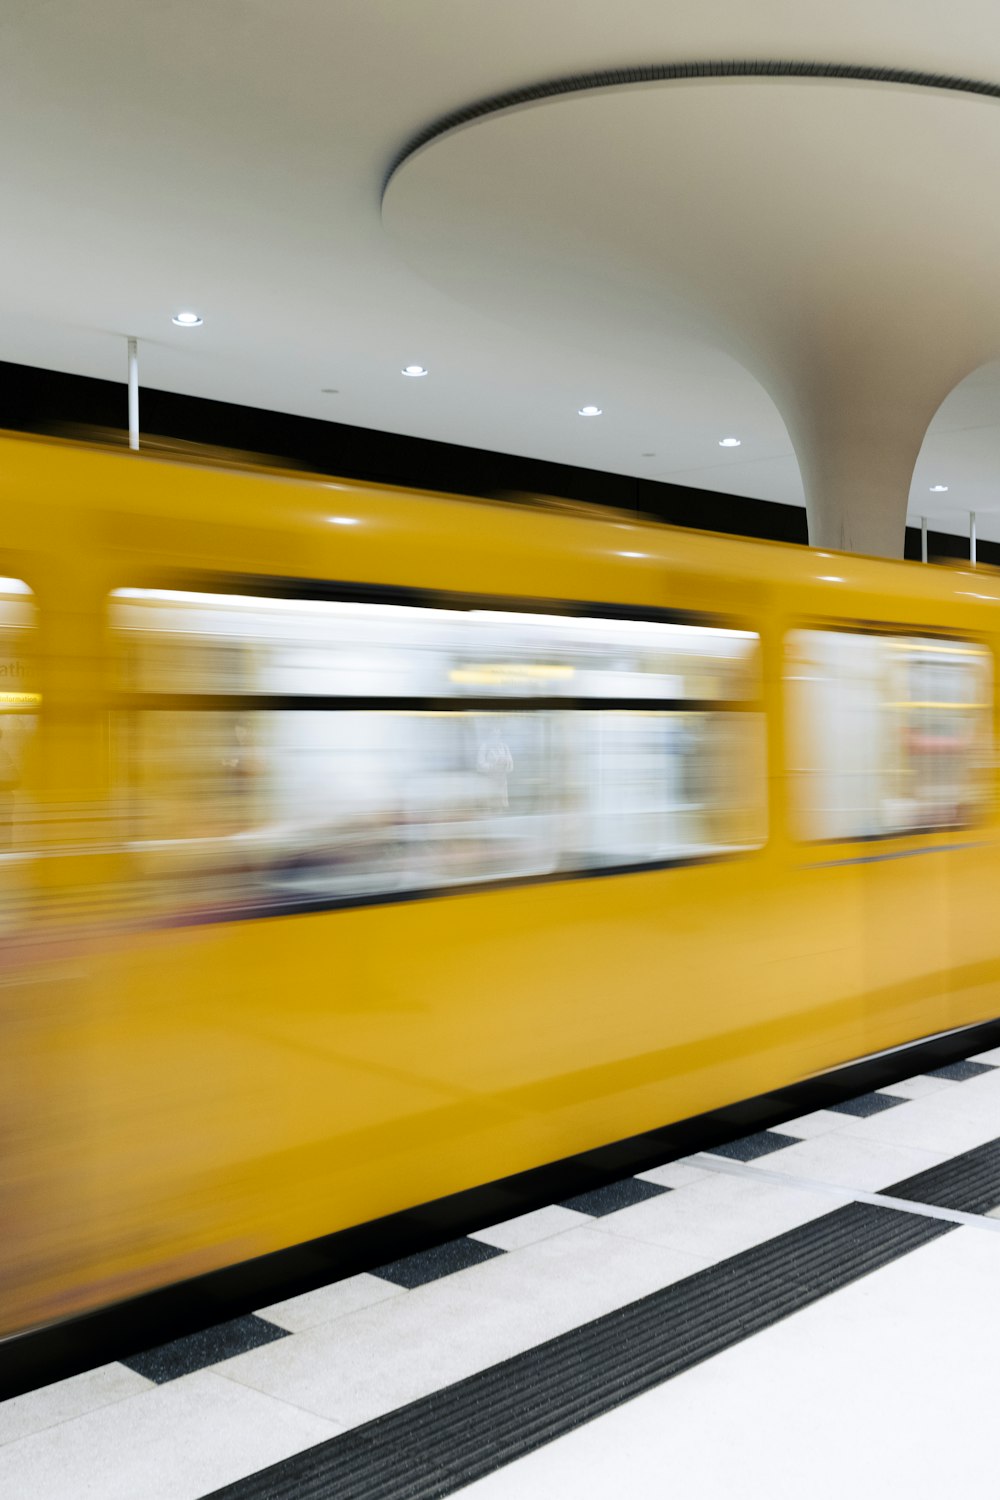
column 806, row 1311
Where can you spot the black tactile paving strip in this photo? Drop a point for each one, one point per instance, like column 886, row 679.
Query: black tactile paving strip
column 969, row 1183
column 444, row 1441
column 196, row 1351
column 431, row 1265
column 759, row 1143
column 615, row 1195
column 864, row 1105
column 962, row 1070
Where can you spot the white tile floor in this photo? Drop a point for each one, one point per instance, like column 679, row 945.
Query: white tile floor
column 887, row 1388
column 889, row 1381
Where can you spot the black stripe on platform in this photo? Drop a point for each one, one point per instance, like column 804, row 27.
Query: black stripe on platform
column 969, row 1183
column 436, row 1445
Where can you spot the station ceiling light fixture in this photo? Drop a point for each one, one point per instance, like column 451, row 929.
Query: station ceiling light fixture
column 188, row 320
column 938, row 489
column 589, row 411
column 730, row 442
column 415, row 371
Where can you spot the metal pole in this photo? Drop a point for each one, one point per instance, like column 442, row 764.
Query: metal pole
column 972, row 537
column 133, row 393
column 923, row 538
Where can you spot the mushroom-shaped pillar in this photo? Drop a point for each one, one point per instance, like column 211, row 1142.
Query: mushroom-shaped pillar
column 836, row 230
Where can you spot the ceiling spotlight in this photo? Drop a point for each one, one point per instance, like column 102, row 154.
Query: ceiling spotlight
column 330, row 390
column 589, row 411
column 188, row 320
column 729, row 442
column 647, row 455
column 415, row 371
column 938, row 489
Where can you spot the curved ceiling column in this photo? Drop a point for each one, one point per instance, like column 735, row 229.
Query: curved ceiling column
column 832, row 228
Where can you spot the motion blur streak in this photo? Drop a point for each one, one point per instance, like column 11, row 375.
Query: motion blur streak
column 346, row 867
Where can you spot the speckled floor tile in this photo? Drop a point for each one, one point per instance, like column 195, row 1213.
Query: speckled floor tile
column 171, row 1442
column 720, row 1216
column 883, row 1388
column 431, row 1265
column 65, row 1399
column 614, row 1196
column 673, row 1174
column 380, row 1357
column 915, row 1088
column 992, row 1055
column 851, row 1159
column 333, row 1301
column 196, row 1351
column 820, row 1122
column 931, row 1124
column 527, row 1229
column 749, row 1147
column 864, row 1105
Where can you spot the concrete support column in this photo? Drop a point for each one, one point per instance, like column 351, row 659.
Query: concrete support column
column 857, row 421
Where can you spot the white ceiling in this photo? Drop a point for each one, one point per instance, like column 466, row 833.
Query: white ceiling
column 228, row 155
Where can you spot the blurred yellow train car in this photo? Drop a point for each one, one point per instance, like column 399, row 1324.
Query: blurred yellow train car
column 360, row 846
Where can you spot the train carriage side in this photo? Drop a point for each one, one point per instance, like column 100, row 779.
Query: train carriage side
column 432, row 840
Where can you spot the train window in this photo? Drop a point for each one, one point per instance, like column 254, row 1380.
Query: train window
column 289, row 751
column 887, row 734
column 18, row 720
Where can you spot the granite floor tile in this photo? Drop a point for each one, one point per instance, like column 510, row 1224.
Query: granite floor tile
column 171, row 1442
column 720, row 1216
column 196, row 1351
column 820, row 1122
column 929, row 1125
column 851, row 1159
column 857, row 1395
column 65, row 1399
column 381, row 1357
column 673, row 1174
column 916, row 1087
column 326, row 1302
column 527, row 1229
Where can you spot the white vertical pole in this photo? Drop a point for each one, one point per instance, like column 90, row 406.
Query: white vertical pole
column 972, row 537
column 923, row 538
column 133, row 393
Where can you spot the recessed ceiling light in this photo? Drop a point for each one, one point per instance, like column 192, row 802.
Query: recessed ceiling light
column 188, row 320
column 647, row 455
column 589, row 411
column 938, row 489
column 415, row 371
column 730, row 442
column 329, row 390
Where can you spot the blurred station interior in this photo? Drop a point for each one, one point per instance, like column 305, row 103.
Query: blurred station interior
column 499, row 818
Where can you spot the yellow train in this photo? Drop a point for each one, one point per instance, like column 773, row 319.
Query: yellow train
column 360, row 846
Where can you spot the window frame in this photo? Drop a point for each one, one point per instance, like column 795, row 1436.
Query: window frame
column 350, row 592
column 893, row 630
